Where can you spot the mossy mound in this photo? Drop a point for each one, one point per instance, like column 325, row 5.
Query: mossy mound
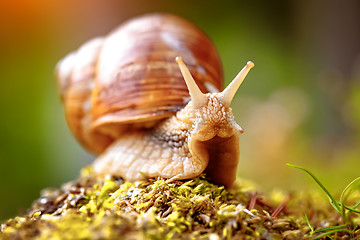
column 91, row 208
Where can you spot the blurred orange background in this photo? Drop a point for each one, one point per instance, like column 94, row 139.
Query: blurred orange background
column 300, row 104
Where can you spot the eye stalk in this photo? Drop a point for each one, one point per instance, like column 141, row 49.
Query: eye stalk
column 197, row 97
column 225, row 97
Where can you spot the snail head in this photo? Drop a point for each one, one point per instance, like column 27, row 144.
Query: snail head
column 212, row 110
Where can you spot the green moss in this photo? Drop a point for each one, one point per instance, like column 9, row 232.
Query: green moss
column 92, row 208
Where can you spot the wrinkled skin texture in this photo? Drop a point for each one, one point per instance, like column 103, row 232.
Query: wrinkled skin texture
column 187, row 144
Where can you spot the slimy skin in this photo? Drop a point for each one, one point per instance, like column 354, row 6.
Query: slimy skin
column 202, row 137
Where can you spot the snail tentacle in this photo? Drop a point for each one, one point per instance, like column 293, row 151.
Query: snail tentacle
column 197, row 97
column 227, row 95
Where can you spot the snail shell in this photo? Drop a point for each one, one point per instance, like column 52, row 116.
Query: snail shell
column 126, row 99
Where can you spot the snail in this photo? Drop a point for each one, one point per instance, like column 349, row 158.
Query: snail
column 125, row 98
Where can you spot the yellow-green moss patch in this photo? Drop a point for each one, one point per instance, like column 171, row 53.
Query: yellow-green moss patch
column 92, row 208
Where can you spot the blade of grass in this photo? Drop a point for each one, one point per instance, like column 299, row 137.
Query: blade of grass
column 309, row 224
column 353, row 209
column 331, row 228
column 326, row 234
column 349, row 189
column 342, row 197
column 356, row 204
column 333, row 202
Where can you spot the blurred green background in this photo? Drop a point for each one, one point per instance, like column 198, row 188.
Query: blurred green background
column 300, row 104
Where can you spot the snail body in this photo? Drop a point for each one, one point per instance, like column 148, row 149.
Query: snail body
column 126, row 99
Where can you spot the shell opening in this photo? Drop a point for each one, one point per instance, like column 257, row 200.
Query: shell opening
column 197, row 97
column 227, row 95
